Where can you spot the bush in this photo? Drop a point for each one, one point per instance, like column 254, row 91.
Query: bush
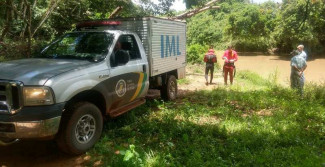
column 11, row 50
column 251, row 45
column 195, row 53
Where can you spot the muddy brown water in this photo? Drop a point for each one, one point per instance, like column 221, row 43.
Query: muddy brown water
column 267, row 65
column 45, row 153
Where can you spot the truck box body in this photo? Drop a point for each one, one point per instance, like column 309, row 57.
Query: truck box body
column 164, row 42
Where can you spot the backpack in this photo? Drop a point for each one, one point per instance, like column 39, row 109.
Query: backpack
column 210, row 58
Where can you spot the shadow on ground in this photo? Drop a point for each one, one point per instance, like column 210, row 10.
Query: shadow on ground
column 36, row 153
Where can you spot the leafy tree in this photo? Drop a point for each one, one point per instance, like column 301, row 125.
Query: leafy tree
column 164, row 6
column 191, row 3
column 247, row 28
column 245, row 25
column 300, row 22
column 317, row 18
column 204, row 30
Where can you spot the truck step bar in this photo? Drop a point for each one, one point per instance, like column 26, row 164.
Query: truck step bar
column 119, row 111
column 153, row 94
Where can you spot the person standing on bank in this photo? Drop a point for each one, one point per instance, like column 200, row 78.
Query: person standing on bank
column 302, row 53
column 298, row 66
column 230, row 57
column 210, row 58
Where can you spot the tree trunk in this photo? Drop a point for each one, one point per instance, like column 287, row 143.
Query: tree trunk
column 22, row 33
column 8, row 20
column 29, row 49
column 23, row 17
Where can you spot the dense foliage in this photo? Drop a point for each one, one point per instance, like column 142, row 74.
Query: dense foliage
column 301, row 21
column 247, row 26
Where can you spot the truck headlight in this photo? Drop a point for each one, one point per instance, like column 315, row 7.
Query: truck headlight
column 34, row 96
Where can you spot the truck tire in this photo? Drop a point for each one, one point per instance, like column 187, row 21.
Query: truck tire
column 169, row 90
column 81, row 128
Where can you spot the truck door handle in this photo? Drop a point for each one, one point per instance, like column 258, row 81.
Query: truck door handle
column 144, row 67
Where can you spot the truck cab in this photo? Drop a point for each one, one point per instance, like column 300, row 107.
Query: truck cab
column 78, row 80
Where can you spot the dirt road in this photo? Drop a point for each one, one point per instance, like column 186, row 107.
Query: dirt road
column 45, row 153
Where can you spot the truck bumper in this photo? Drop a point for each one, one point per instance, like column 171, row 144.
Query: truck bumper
column 30, row 129
column 31, row 122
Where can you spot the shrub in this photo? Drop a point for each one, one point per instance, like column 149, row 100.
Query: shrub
column 251, row 45
column 11, row 50
column 195, row 53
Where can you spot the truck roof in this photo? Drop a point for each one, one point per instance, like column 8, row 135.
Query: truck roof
column 103, row 29
column 112, row 23
column 119, row 19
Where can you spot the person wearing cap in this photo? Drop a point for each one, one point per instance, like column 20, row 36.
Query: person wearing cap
column 302, row 53
column 209, row 58
column 298, row 66
column 230, row 57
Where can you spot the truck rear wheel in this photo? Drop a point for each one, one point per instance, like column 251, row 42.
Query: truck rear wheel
column 80, row 129
column 169, row 90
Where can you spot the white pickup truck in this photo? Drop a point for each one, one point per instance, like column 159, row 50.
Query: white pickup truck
column 103, row 68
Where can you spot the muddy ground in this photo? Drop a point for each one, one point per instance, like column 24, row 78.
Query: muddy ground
column 45, row 153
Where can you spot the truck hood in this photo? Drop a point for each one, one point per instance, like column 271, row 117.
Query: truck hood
column 37, row 71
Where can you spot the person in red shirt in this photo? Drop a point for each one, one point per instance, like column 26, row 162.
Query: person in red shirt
column 230, row 57
column 209, row 58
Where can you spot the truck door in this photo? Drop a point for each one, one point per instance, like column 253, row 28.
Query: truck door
column 128, row 72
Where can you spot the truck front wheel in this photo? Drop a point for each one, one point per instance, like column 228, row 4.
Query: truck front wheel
column 169, row 90
column 81, row 128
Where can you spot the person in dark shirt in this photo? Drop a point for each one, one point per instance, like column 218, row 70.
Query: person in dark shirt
column 210, row 58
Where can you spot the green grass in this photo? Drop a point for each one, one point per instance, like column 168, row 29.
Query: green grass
column 254, row 123
column 183, row 81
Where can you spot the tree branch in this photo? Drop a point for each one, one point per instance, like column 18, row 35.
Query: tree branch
column 306, row 14
column 115, row 12
column 34, row 4
column 193, row 12
column 46, row 15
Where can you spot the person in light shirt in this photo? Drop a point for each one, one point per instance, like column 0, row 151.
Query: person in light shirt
column 230, row 57
column 302, row 53
column 298, row 66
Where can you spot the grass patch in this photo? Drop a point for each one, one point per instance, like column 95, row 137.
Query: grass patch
column 183, row 81
column 253, row 123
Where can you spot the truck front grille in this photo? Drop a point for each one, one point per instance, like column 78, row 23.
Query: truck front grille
column 10, row 99
column 7, row 127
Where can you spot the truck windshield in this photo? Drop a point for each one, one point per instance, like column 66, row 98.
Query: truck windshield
column 91, row 46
